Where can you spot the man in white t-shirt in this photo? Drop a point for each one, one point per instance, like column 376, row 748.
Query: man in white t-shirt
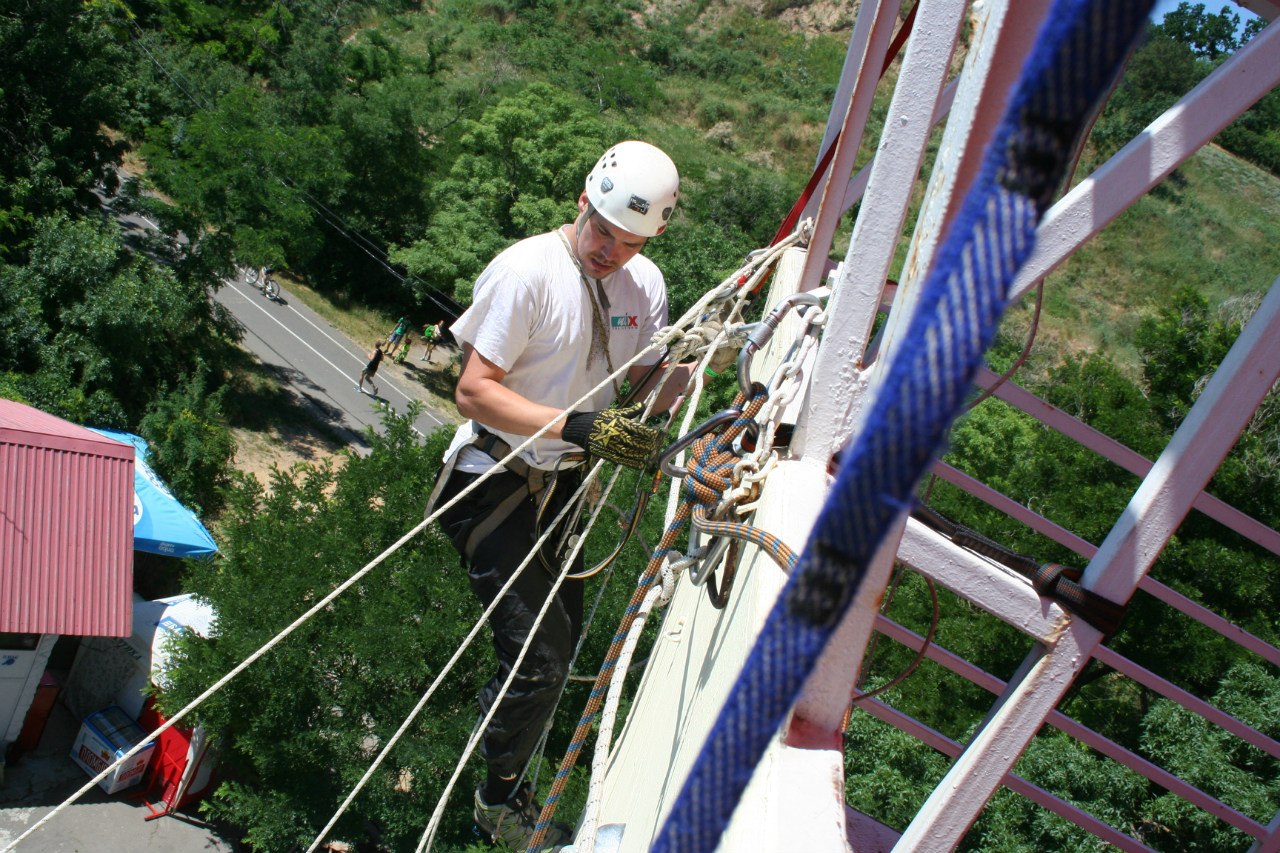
column 551, row 319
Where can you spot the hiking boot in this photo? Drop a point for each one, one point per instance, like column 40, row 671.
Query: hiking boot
column 512, row 823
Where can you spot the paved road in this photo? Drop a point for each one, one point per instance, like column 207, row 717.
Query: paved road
column 323, row 366
column 316, row 360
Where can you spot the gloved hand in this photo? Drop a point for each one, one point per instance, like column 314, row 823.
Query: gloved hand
column 615, row 435
column 727, row 354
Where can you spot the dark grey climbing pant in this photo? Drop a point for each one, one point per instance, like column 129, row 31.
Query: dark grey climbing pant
column 514, row 731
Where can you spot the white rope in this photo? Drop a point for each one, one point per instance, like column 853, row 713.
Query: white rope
column 660, row 339
column 317, row 607
column 449, row 665
column 739, row 291
column 434, row 824
column 659, row 595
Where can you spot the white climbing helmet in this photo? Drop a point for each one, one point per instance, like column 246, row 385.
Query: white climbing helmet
column 635, row 186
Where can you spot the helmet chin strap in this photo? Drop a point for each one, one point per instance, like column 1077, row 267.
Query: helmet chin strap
column 578, row 225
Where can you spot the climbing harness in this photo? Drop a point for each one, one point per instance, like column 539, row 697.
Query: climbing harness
column 1074, row 59
column 537, row 483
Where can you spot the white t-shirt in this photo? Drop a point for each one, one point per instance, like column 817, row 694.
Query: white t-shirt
column 531, row 315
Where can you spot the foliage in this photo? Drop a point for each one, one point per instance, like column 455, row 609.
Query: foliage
column 519, row 171
column 1177, row 53
column 95, row 334
column 1217, row 762
column 95, row 330
column 191, row 448
column 62, row 81
column 316, row 134
column 1209, row 35
column 1181, row 347
column 235, row 168
column 299, row 727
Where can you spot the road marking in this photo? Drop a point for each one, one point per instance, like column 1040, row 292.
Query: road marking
column 359, row 357
column 248, row 297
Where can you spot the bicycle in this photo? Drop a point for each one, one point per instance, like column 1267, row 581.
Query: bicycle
column 261, row 279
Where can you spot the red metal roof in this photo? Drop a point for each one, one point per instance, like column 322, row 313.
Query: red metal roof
column 66, row 527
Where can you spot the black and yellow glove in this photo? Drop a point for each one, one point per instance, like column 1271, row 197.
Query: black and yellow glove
column 615, row 435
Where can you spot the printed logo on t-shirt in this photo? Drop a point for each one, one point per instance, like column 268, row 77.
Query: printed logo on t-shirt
column 625, row 321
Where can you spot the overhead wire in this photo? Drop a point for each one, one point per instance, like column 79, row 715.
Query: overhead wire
column 660, row 340
column 334, row 220
column 328, row 598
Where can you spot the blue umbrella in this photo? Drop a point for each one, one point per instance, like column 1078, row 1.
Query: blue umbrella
column 161, row 524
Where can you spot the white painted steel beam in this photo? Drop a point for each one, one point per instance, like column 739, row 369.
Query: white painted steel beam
column 1167, row 142
column 1017, row 715
column 1086, row 549
column 858, row 185
column 997, row 589
column 878, row 20
column 1153, row 515
column 855, row 59
column 1002, row 37
column 856, row 297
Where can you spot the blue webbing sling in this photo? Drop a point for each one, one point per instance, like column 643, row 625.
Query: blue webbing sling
column 1077, row 55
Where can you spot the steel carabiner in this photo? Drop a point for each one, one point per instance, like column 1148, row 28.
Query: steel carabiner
column 763, row 331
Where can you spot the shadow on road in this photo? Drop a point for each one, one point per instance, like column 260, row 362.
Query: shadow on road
column 438, row 378
column 260, row 398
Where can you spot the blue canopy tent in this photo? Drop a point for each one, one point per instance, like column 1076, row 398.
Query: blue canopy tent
column 161, row 524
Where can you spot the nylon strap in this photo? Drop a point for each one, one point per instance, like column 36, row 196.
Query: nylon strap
column 1073, row 61
column 1051, row 580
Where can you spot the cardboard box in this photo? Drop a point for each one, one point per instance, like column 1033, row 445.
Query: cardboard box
column 104, row 737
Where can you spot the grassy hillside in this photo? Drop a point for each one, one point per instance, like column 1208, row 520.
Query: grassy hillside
column 1213, row 225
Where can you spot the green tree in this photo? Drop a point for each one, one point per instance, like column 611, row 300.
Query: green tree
column 1161, row 70
column 191, row 447
column 61, row 85
column 242, row 180
column 519, row 172
column 298, row 728
column 1215, row 761
column 1181, row 347
column 95, row 331
column 1211, row 35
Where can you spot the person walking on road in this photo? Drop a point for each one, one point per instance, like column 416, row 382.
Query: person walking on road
column 551, row 317
column 371, row 369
